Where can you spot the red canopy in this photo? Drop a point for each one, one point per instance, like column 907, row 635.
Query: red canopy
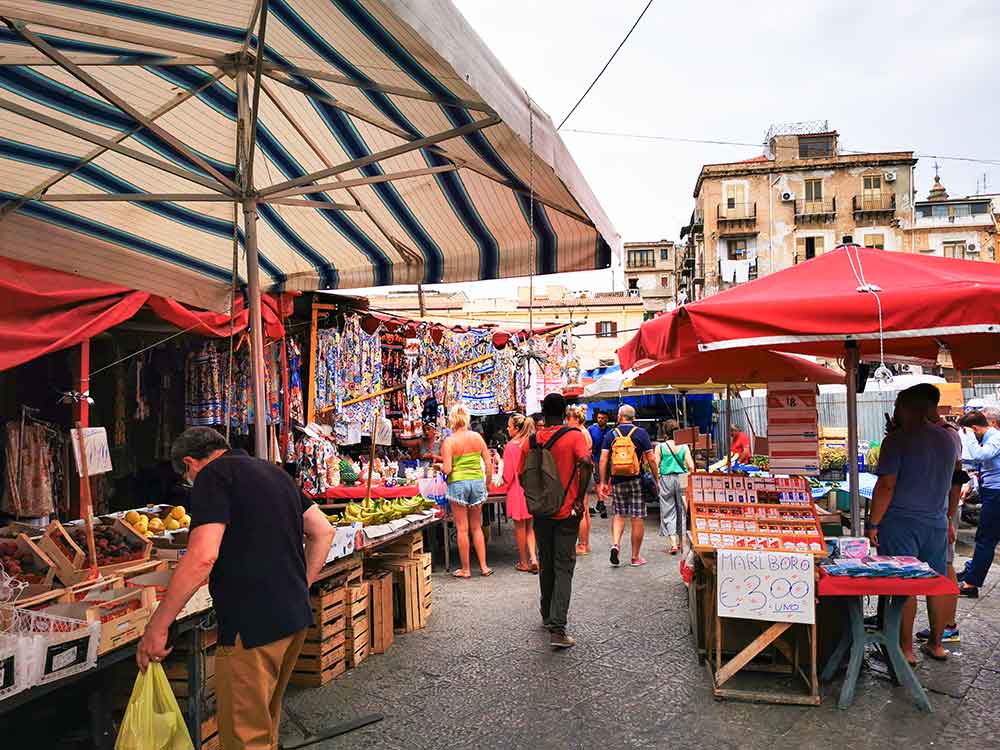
column 814, row 307
column 737, row 367
column 43, row 311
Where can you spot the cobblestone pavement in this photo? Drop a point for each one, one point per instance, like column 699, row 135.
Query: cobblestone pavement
column 483, row 676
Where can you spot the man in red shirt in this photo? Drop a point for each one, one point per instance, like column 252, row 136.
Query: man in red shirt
column 740, row 446
column 556, row 536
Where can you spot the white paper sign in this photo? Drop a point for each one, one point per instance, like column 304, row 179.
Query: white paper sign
column 95, row 439
column 769, row 586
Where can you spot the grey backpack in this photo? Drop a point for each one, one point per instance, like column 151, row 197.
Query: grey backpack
column 544, row 492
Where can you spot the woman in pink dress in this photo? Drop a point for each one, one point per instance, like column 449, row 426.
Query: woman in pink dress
column 520, row 428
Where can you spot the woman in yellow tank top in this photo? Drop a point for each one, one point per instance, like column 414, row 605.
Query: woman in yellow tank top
column 466, row 461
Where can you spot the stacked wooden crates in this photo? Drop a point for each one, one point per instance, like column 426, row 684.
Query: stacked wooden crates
column 411, row 570
column 357, row 623
column 324, row 653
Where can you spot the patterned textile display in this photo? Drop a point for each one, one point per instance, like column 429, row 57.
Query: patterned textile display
column 504, row 380
column 417, row 392
column 328, row 369
column 479, row 391
column 296, row 404
column 31, row 455
column 361, row 373
column 394, row 372
column 318, row 464
column 204, row 400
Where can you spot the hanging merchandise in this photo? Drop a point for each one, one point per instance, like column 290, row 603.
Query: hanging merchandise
column 504, row 380
column 142, row 410
column 418, row 393
column 394, row 370
column 318, row 464
column 204, row 402
column 479, row 391
column 328, row 369
column 296, row 408
column 32, row 450
column 120, row 432
column 434, row 358
column 361, row 374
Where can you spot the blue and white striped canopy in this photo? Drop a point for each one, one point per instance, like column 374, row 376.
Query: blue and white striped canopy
column 391, row 147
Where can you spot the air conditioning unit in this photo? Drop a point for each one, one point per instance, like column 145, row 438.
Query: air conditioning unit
column 971, row 248
column 633, row 293
column 787, row 195
column 890, row 176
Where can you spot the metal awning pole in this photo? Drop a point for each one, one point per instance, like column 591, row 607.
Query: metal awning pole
column 851, row 361
column 260, row 410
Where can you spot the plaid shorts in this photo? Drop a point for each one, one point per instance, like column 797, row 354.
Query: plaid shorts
column 627, row 498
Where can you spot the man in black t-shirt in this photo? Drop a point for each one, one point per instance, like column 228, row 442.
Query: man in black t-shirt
column 248, row 522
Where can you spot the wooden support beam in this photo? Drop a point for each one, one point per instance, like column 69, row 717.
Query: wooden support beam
column 744, row 657
column 133, row 197
column 87, row 60
column 14, row 13
column 111, row 145
column 385, row 88
column 364, row 161
column 84, row 77
column 379, row 122
column 344, row 184
column 322, row 205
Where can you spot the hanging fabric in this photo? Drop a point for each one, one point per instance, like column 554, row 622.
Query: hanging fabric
column 328, row 369
column 30, row 481
column 204, row 402
column 296, row 406
column 361, row 374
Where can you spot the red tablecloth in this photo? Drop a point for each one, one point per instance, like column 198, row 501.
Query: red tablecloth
column 358, row 493
column 847, row 586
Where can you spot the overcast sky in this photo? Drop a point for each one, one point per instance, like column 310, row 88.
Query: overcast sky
column 918, row 76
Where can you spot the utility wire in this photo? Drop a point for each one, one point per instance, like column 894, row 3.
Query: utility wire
column 592, row 83
column 715, row 142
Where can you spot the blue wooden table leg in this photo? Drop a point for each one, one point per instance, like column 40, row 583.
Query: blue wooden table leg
column 837, row 657
column 890, row 642
column 858, row 642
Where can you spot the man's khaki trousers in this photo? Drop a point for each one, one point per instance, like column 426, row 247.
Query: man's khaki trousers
column 250, row 684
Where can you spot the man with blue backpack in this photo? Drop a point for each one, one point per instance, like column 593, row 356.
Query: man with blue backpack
column 554, row 473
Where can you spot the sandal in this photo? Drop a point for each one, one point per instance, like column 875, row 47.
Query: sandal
column 460, row 574
column 926, row 651
column 582, row 550
column 523, row 567
column 534, row 568
column 487, row 573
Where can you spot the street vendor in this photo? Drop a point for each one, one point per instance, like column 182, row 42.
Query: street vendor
column 739, row 447
column 248, row 524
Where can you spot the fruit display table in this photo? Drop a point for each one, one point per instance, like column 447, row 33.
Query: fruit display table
column 855, row 638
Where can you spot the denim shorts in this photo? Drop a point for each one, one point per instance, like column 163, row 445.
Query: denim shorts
column 467, row 491
column 926, row 542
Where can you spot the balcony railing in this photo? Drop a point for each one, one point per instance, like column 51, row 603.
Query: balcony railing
column 737, row 212
column 875, row 203
column 821, row 210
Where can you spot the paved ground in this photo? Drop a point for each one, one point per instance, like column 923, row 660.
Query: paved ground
column 483, row 676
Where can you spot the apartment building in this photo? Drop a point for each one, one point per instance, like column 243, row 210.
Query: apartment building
column 795, row 201
column 651, row 273
column 605, row 321
column 961, row 227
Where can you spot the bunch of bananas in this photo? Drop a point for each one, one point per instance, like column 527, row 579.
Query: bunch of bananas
column 370, row 512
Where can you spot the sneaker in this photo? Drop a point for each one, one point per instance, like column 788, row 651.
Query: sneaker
column 559, row 639
column 970, row 591
column 638, row 562
column 615, row 558
column 951, row 635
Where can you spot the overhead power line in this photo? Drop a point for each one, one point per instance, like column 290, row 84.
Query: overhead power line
column 719, row 142
column 622, row 44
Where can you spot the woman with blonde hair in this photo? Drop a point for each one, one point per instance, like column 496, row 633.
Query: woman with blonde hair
column 576, row 416
column 520, row 428
column 466, row 461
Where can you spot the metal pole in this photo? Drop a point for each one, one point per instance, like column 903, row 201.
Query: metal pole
column 260, row 410
column 851, row 361
column 725, row 435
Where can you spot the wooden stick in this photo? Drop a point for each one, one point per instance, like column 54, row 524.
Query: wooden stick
column 86, row 501
column 744, row 657
column 371, row 457
column 313, row 362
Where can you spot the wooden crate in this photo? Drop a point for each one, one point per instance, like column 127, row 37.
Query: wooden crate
column 44, row 565
column 71, row 567
column 411, row 545
column 177, row 673
column 210, row 739
column 328, row 615
column 343, row 572
column 357, row 638
column 381, row 630
column 407, row 573
column 122, row 612
column 425, row 585
column 320, row 662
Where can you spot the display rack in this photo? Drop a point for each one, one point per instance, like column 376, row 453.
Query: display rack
column 742, row 512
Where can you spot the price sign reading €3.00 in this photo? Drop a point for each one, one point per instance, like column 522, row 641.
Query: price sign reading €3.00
column 770, row 586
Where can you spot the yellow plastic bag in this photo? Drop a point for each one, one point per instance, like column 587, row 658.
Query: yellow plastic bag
column 153, row 720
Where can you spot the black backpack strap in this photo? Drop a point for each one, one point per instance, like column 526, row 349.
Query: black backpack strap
column 562, row 431
column 533, row 441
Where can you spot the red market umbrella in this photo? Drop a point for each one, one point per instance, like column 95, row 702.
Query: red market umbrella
column 853, row 303
column 920, row 303
column 736, row 367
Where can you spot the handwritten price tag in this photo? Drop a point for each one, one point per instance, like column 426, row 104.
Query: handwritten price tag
column 769, row 586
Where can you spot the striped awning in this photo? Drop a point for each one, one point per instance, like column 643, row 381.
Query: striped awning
column 379, row 141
